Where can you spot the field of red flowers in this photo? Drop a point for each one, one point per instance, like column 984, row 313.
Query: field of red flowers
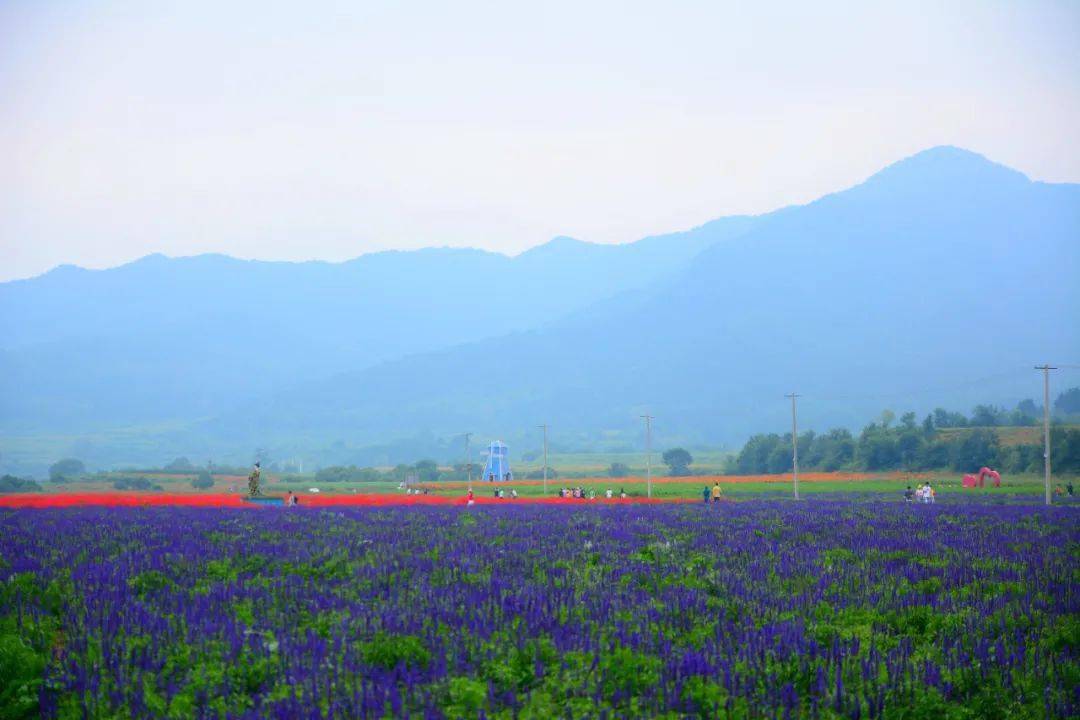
column 236, row 500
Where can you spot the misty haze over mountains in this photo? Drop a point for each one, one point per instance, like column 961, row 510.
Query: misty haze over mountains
column 914, row 289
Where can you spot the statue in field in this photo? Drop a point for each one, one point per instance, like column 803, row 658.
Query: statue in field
column 253, row 481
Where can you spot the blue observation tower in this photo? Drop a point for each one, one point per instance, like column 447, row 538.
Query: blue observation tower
column 498, row 463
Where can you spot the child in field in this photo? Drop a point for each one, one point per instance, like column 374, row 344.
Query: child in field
column 931, row 494
column 716, row 491
column 608, row 493
column 469, row 497
column 909, row 494
column 705, row 494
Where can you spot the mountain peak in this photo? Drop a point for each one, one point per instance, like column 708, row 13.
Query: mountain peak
column 945, row 164
column 558, row 243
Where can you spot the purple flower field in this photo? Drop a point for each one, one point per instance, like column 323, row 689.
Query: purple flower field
column 758, row 609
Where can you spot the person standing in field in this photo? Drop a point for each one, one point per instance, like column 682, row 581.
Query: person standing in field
column 253, row 480
column 705, row 494
column 716, row 492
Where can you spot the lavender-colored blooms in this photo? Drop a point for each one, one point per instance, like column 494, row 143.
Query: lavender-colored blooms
column 763, row 608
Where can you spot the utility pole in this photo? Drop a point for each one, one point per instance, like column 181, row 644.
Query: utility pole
column 1046, row 425
column 545, row 427
column 794, row 445
column 468, row 459
column 648, row 453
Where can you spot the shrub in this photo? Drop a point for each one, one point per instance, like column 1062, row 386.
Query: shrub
column 10, row 483
column 678, row 461
column 135, row 483
column 66, row 469
column 204, row 481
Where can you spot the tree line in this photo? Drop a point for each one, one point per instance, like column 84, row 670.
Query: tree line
column 942, row 441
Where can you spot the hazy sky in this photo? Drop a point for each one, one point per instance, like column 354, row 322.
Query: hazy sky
column 326, row 130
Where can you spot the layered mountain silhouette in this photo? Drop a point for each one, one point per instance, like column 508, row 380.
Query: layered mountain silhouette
column 162, row 340
column 938, row 281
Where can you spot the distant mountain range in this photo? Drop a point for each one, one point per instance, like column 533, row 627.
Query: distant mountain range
column 938, row 281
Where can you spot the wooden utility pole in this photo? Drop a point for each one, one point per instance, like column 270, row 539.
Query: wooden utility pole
column 648, row 453
column 468, row 459
column 545, row 427
column 1046, row 426
column 794, row 445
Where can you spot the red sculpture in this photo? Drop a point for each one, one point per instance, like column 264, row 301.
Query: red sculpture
column 979, row 480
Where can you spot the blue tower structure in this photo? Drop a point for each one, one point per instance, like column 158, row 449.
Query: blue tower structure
column 498, row 463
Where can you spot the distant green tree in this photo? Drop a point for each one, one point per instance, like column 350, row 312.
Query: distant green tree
column 984, row 416
column 539, row 474
column 907, row 421
column 678, row 461
column 401, row 472
column 340, row 473
column 876, row 449
column 179, row 465
column 934, row 455
column 928, row 428
column 1021, row 458
column 618, row 470
column 1064, row 450
column 909, row 444
column 837, row 449
column 753, row 459
column 135, row 483
column 203, row 481
column 1019, row 418
column 426, row 471
column 1068, row 403
column 945, row 419
column 10, row 483
column 974, row 450
column 780, row 459
column 1029, row 408
column 66, row 469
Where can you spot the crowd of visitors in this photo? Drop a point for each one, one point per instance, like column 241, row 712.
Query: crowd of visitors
column 924, row 493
